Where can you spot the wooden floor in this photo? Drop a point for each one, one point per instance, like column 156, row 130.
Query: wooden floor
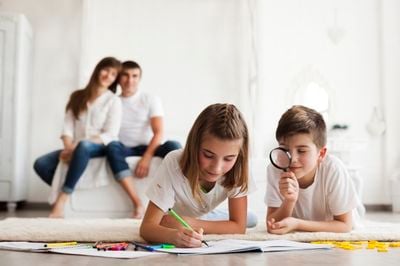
column 335, row 256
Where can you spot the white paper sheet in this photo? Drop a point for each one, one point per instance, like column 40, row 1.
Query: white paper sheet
column 125, row 254
column 234, row 246
column 80, row 249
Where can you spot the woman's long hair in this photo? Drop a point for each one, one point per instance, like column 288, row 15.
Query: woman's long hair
column 79, row 98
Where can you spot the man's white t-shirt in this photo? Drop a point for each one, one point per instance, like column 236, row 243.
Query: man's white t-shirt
column 332, row 193
column 171, row 189
column 137, row 110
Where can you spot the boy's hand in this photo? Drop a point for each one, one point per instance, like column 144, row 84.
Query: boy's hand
column 187, row 238
column 284, row 226
column 289, row 186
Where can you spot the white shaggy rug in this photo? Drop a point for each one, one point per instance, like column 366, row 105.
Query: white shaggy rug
column 91, row 230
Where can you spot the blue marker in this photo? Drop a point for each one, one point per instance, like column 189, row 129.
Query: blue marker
column 152, row 248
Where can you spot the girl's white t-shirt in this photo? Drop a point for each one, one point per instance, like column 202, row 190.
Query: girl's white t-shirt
column 332, row 193
column 171, row 189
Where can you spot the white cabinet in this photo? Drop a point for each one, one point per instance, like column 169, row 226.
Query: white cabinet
column 15, row 98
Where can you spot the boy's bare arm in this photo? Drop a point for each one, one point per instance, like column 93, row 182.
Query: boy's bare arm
column 340, row 224
column 285, row 210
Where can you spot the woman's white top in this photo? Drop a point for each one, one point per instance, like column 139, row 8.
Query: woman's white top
column 102, row 118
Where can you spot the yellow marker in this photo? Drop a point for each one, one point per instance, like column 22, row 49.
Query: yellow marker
column 60, row 244
column 394, row 245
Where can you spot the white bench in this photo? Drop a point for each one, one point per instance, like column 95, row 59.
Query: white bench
column 106, row 199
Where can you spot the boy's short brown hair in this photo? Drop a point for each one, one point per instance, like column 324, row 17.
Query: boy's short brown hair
column 302, row 120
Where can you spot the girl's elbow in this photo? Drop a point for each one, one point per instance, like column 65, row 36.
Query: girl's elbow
column 143, row 232
column 241, row 229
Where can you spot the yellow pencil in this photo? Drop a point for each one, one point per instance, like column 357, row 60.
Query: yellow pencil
column 60, row 244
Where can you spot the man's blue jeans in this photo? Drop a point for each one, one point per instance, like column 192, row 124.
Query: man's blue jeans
column 46, row 165
column 116, row 153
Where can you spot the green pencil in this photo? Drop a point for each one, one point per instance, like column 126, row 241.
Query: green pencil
column 183, row 222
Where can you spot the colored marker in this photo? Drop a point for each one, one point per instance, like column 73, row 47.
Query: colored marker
column 144, row 246
column 54, row 245
column 153, row 247
column 167, row 246
column 183, row 222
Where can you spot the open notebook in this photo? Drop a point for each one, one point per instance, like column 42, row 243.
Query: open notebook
column 235, row 246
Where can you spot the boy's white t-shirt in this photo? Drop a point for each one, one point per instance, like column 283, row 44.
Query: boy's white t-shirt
column 332, row 193
column 171, row 189
column 137, row 110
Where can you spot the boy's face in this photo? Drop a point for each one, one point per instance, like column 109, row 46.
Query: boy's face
column 305, row 155
column 129, row 80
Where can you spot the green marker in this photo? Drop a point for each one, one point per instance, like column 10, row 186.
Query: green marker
column 167, row 246
column 183, row 222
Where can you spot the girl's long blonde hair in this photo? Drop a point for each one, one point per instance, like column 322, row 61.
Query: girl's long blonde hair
column 225, row 122
column 79, row 98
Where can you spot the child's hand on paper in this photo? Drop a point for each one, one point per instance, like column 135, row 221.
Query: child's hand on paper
column 187, row 238
column 284, row 226
column 289, row 186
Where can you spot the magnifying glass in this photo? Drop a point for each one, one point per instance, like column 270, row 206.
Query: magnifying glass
column 280, row 158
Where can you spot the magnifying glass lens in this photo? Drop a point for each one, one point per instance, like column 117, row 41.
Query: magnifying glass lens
column 280, row 158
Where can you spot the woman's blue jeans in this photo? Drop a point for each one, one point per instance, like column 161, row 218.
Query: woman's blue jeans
column 46, row 165
column 116, row 153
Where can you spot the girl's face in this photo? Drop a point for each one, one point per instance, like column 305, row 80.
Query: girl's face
column 217, row 157
column 107, row 76
column 305, row 155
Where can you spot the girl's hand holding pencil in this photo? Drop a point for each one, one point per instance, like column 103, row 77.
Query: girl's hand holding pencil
column 188, row 238
column 186, row 235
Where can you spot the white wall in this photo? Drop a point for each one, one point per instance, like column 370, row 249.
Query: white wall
column 294, row 42
column 194, row 53
column 390, row 21
column 56, row 56
column 191, row 52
